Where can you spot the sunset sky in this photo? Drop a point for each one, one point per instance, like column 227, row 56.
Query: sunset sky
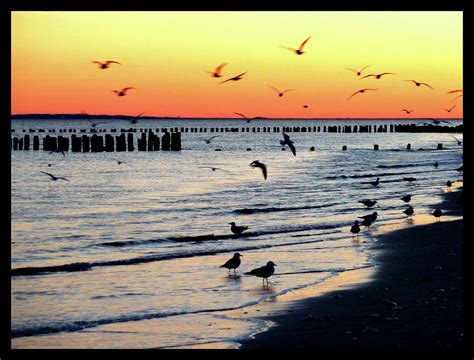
column 165, row 56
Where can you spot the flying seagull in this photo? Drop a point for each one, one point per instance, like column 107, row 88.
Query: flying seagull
column 237, row 229
column 457, row 140
column 437, row 122
column 298, row 51
column 213, row 168
column 123, row 91
column 264, row 272
column 359, row 91
column 449, row 110
column 54, row 178
column 235, row 78
column 260, row 165
column 208, row 141
column 232, row 263
column 217, row 73
column 286, row 141
column 358, row 73
column 135, row 119
column 377, row 76
column 97, row 123
column 105, row 65
column 419, row 83
column 280, row 93
column 407, row 111
column 242, row 115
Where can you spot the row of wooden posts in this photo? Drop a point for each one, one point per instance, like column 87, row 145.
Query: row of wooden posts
column 98, row 143
column 330, row 129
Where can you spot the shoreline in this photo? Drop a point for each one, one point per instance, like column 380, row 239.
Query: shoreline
column 414, row 300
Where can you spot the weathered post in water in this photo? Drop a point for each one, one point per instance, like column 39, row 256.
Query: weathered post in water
column 86, row 143
column 165, row 141
column 26, row 142
column 176, row 141
column 36, row 143
column 130, row 145
column 109, row 143
column 75, row 143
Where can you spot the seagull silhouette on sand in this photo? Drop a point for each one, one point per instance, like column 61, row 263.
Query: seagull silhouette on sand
column 377, row 76
column 105, row 65
column 208, row 141
column 245, row 117
column 280, row 93
column 237, row 229
column 264, row 272
column 369, row 203
column 298, row 51
column 355, row 229
column 407, row 111
column 437, row 213
column 217, row 73
column 419, row 83
column 369, row 219
column 406, row 198
column 54, row 178
column 409, row 211
column 287, row 141
column 232, row 263
column 375, row 183
column 235, row 78
column 260, row 165
column 358, row 73
column 122, row 92
column 359, row 91
column 449, row 110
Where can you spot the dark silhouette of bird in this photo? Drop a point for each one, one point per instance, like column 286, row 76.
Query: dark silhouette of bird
column 245, row 117
column 437, row 213
column 287, row 141
column 49, row 165
column 105, row 65
column 409, row 179
column 355, row 229
column 407, row 111
column 54, row 178
column 449, row 183
column 409, row 211
column 235, row 78
column 135, row 119
column 217, row 72
column 260, row 165
column 57, row 151
column 457, row 97
column 122, row 92
column 419, row 83
column 232, row 263
column 460, row 168
column 264, row 272
column 377, row 76
column 358, row 73
column 237, row 229
column 208, row 141
column 369, row 203
column 371, row 217
column 214, row 168
column 449, row 110
column 436, row 164
column 119, row 161
column 280, row 93
column 367, row 223
column 305, row 106
column 360, row 91
column 298, row 51
column 454, row 91
column 98, row 123
column 457, row 140
column 375, row 183
column 437, row 122
column 406, row 198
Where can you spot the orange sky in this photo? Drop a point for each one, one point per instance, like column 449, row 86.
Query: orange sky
column 165, row 56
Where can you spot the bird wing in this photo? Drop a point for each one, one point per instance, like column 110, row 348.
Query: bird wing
column 52, row 176
column 413, row 81
column 245, row 117
column 264, row 170
column 454, row 138
column 352, row 70
column 274, row 88
column 112, row 62
column 456, row 97
column 454, row 91
column 364, row 68
column 292, row 147
column 363, row 77
column 63, row 178
column 353, row 95
column 288, row 90
column 136, row 117
column 238, row 76
column 303, row 43
column 225, row 81
column 426, row 85
column 96, row 62
column 446, row 122
column 219, row 68
column 127, row 88
column 452, row 108
column 387, row 73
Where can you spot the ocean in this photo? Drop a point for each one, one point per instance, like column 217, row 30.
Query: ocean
column 127, row 255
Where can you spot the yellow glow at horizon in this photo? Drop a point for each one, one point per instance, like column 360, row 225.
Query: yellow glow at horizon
column 165, row 56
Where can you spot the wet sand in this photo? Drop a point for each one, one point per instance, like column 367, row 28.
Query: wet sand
column 415, row 300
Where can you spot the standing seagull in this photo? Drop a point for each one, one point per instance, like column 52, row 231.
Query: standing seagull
column 371, row 217
column 105, row 65
column 298, row 51
column 260, row 165
column 437, row 213
column 375, row 183
column 264, row 272
column 368, row 203
column 436, row 164
column 237, row 229
column 245, row 117
column 280, row 93
column 377, row 76
column 449, row 110
column 359, row 91
column 355, row 229
column 233, row 263
column 54, row 178
column 286, row 141
column 358, row 72
column 409, row 211
column 123, row 91
column 217, row 73
column 419, row 83
column 235, row 78
column 406, row 198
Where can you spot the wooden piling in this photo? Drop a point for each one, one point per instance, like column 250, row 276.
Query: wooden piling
column 156, row 143
column 141, row 143
column 166, row 141
column 86, row 143
column 130, row 145
column 26, row 142
column 344, row 148
column 121, row 144
column 376, row 147
column 440, row 146
column 109, row 143
column 15, row 143
column 63, row 143
column 408, row 146
column 97, row 143
column 76, row 143
column 36, row 143
column 176, row 141
column 150, row 141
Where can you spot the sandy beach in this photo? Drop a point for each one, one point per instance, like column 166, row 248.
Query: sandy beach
column 415, row 300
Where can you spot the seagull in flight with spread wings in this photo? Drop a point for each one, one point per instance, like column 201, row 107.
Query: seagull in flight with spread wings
column 280, row 93
column 360, row 91
column 217, row 72
column 419, row 83
column 358, row 73
column 298, row 51
column 122, row 92
column 260, row 165
column 235, row 78
column 105, row 65
column 286, row 141
column 54, row 178
column 377, row 76
column 449, row 110
column 245, row 117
